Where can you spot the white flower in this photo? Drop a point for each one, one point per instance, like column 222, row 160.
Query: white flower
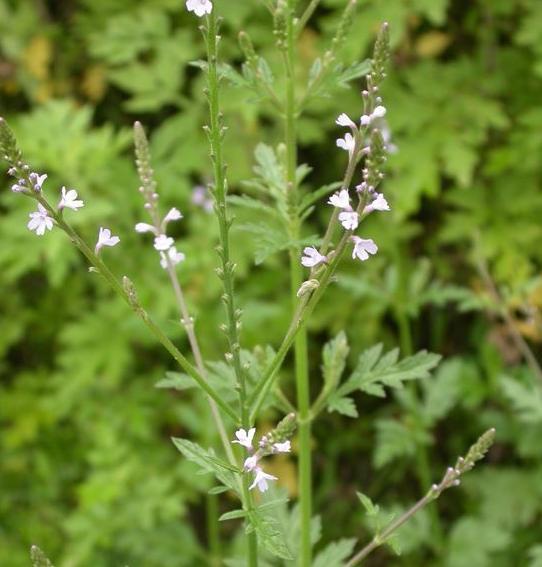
column 345, row 120
column 69, row 200
column 251, row 463
column 379, row 112
column 347, row 143
column 379, row 204
column 260, row 480
column 199, row 7
column 163, row 242
column 340, row 200
column 285, row 447
column 173, row 215
column 362, row 248
column 349, row 220
column 40, row 221
column 312, row 257
column 37, row 180
column 245, row 438
column 200, row 198
column 174, row 257
column 105, row 239
column 142, row 227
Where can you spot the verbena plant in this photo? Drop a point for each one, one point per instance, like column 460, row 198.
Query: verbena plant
column 278, row 197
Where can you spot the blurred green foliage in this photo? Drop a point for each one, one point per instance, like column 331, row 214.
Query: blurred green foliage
column 87, row 471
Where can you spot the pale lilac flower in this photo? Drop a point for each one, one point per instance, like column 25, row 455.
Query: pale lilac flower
column 347, row 143
column 19, row 187
column 312, row 257
column 173, row 256
column 40, row 221
column 260, row 480
column 345, row 120
column 362, row 248
column 285, row 447
column 341, row 199
column 251, row 463
column 173, row 215
column 365, row 120
column 349, row 220
column 163, row 242
column 199, row 7
column 142, row 227
column 245, row 438
column 201, row 199
column 37, row 180
column 12, row 171
column 379, row 204
column 105, row 239
column 68, row 199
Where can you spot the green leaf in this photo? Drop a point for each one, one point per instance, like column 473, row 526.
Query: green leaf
column 525, row 399
column 354, row 71
column 269, row 534
column 344, row 406
column 218, row 490
column 335, row 554
column 373, row 372
column 233, row 515
column 443, row 392
column 208, row 462
column 176, row 381
column 370, row 508
column 393, row 440
column 334, row 360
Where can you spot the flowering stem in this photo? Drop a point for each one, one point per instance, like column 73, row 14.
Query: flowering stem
column 451, row 478
column 296, row 278
column 216, row 131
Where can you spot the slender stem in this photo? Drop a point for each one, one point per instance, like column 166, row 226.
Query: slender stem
column 216, row 132
column 388, row 531
column 517, row 337
column 296, row 277
column 188, row 324
column 213, row 535
column 306, row 16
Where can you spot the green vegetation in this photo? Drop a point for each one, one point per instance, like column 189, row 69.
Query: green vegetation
column 89, row 401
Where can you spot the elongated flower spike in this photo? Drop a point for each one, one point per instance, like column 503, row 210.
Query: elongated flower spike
column 276, row 441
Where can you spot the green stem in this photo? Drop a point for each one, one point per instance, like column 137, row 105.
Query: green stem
column 213, row 535
column 306, row 16
column 296, row 277
column 216, row 132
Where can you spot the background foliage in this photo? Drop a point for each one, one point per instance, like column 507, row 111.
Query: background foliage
column 87, row 469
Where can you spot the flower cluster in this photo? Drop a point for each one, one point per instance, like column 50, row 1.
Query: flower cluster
column 30, row 183
column 163, row 244
column 276, row 441
column 368, row 138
